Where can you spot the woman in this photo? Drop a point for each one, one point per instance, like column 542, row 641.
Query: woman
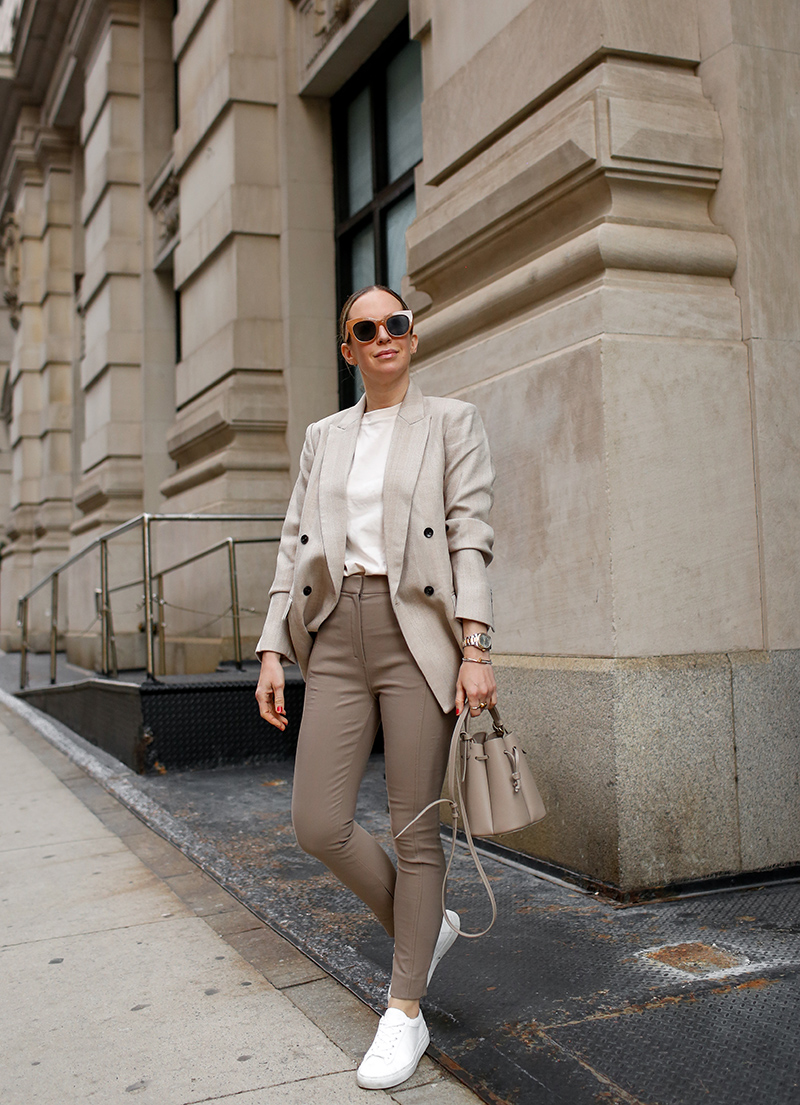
column 380, row 584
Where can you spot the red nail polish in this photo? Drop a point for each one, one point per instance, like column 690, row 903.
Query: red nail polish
column 279, row 709
column 457, row 711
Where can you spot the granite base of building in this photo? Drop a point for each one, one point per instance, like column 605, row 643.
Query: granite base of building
column 660, row 770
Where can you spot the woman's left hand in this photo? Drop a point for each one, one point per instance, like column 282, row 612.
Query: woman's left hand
column 476, row 685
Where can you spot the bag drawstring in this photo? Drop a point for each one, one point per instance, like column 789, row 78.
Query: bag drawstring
column 513, row 756
column 455, row 778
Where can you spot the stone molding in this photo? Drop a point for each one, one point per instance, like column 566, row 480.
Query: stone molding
column 610, row 246
column 558, row 200
column 237, row 425
column 596, row 29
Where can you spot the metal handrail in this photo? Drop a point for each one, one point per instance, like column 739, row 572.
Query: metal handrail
column 230, row 544
column 148, row 578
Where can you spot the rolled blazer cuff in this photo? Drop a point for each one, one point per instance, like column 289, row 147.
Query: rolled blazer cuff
column 473, row 593
column 275, row 634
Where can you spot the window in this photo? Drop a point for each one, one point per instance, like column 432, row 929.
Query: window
column 377, row 139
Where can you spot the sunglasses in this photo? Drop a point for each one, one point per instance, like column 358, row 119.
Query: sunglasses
column 365, row 330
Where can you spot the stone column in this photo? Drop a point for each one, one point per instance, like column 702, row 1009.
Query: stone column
column 127, row 304
column 228, row 437
column 38, row 243
column 579, row 292
column 110, row 487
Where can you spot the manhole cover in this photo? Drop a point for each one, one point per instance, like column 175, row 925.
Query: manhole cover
column 696, row 959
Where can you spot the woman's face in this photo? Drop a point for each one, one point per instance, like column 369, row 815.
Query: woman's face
column 385, row 360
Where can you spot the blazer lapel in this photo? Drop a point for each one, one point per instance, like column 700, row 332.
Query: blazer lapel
column 402, row 469
column 335, row 468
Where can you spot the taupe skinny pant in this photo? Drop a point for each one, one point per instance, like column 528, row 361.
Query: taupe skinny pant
column 361, row 672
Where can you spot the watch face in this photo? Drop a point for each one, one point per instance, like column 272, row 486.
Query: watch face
column 484, row 641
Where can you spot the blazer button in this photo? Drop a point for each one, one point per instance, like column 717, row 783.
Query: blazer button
column 429, row 590
column 428, row 532
column 304, row 539
column 306, row 590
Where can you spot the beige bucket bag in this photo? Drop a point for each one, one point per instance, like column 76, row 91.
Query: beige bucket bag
column 491, row 791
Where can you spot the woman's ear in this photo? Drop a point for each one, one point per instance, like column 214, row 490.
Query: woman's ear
column 347, row 353
column 414, row 343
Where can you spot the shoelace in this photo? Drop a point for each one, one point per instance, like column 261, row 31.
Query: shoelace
column 385, row 1039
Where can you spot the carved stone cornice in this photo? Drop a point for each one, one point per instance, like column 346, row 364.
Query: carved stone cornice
column 615, row 173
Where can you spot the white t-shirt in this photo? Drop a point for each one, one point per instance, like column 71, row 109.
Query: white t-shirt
column 365, row 552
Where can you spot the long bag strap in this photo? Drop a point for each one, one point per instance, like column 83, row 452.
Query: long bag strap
column 458, row 809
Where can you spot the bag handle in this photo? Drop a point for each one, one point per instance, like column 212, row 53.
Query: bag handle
column 456, row 800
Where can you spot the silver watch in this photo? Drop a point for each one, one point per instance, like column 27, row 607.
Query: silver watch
column 478, row 640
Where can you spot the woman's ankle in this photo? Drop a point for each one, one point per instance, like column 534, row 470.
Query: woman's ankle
column 408, row 1006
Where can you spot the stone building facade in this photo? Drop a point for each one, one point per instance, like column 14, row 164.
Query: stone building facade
column 601, row 252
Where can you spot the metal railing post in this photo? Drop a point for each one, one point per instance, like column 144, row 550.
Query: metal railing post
column 237, row 631
column 162, row 628
column 104, row 599
column 53, row 626
column 22, row 619
column 147, row 566
column 112, row 643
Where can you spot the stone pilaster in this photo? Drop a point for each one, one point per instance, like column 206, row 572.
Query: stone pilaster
column 570, row 280
column 110, row 486
column 38, row 240
column 128, row 307
column 228, row 439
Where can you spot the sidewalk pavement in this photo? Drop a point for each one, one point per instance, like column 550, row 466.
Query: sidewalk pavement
column 129, row 974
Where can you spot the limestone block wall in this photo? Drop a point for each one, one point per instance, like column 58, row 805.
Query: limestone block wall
column 573, row 277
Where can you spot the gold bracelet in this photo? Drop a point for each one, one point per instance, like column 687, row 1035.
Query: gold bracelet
column 471, row 660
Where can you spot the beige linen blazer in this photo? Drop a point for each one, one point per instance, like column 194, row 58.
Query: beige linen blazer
column 437, row 495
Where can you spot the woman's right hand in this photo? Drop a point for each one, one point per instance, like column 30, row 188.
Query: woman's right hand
column 269, row 692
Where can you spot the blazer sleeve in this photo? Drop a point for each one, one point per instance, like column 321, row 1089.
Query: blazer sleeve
column 275, row 634
column 468, row 480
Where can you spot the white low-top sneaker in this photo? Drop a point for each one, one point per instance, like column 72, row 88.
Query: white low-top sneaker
column 398, row 1046
column 445, row 940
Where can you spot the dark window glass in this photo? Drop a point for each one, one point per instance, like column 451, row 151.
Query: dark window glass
column 377, row 136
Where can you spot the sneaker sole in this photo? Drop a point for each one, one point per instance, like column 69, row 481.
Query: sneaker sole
column 390, row 1080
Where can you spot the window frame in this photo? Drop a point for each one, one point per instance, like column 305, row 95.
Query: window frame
column 371, row 75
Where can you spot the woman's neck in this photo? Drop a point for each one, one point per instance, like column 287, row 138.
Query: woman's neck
column 381, row 398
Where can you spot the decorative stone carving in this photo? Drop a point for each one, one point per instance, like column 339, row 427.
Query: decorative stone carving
column 320, row 21
column 328, row 12
column 164, row 202
column 11, row 277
